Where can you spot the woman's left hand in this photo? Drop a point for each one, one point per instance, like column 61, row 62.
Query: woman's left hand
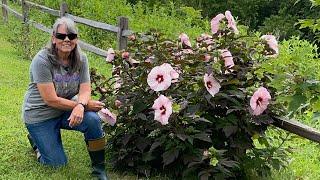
column 76, row 116
column 94, row 105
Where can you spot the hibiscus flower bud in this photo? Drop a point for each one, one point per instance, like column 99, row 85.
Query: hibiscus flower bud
column 110, row 55
column 106, row 116
column 132, row 37
column 272, row 43
column 215, row 23
column 231, row 22
column 207, row 58
column 117, row 103
column 185, row 40
column 125, row 55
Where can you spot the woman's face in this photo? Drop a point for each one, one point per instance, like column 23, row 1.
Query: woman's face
column 66, row 45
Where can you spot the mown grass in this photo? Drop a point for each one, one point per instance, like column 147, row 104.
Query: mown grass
column 18, row 162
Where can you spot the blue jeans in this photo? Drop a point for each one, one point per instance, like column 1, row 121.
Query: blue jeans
column 46, row 135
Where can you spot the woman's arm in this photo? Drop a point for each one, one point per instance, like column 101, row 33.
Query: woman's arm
column 49, row 96
column 84, row 93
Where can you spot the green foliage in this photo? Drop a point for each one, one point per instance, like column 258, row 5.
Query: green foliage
column 281, row 26
column 313, row 24
column 296, row 76
column 272, row 148
column 206, row 135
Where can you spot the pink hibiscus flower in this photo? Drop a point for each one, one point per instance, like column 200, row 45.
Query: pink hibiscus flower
column 163, row 109
column 215, row 23
column 173, row 73
column 107, row 116
column 159, row 79
column 227, row 57
column 259, row 101
column 231, row 22
column 185, row 40
column 272, row 42
column 110, row 55
column 211, row 84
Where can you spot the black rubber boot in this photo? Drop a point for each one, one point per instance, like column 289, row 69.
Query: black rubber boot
column 96, row 150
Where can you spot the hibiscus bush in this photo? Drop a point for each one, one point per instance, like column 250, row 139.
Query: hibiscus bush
column 189, row 109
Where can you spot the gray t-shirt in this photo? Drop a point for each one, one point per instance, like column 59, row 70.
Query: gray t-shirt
column 67, row 85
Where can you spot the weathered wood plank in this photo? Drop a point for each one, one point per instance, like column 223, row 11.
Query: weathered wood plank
column 297, row 128
column 63, row 9
column 43, row 8
column 4, row 11
column 26, row 30
column 40, row 27
column 122, row 41
column 15, row 13
column 92, row 48
column 127, row 33
column 92, row 23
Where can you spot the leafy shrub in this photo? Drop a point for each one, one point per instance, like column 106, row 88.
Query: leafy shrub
column 207, row 88
column 296, row 76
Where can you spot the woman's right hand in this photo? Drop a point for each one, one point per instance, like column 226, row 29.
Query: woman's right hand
column 94, row 105
column 76, row 116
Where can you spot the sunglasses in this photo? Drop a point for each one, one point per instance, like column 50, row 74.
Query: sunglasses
column 70, row 36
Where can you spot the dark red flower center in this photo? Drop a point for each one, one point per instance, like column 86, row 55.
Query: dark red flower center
column 209, row 84
column 163, row 110
column 160, row 78
column 259, row 101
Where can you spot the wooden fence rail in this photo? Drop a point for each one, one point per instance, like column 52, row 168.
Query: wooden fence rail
column 121, row 30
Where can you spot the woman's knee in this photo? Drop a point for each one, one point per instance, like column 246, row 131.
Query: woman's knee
column 92, row 120
column 93, row 126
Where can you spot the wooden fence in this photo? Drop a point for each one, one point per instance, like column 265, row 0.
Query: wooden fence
column 121, row 29
column 122, row 33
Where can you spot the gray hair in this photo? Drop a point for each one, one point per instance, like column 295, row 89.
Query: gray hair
column 71, row 26
column 74, row 57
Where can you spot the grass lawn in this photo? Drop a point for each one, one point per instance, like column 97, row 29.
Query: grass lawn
column 18, row 162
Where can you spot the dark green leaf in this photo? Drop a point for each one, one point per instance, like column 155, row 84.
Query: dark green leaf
column 155, row 145
column 203, row 137
column 228, row 130
column 170, row 156
column 139, row 106
column 296, row 101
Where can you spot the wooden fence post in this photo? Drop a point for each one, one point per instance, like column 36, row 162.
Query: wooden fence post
column 4, row 11
column 63, row 9
column 121, row 40
column 26, row 30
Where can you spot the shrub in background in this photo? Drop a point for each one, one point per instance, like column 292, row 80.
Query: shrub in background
column 189, row 109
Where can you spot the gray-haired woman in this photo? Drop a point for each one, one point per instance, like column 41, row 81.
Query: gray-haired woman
column 58, row 73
